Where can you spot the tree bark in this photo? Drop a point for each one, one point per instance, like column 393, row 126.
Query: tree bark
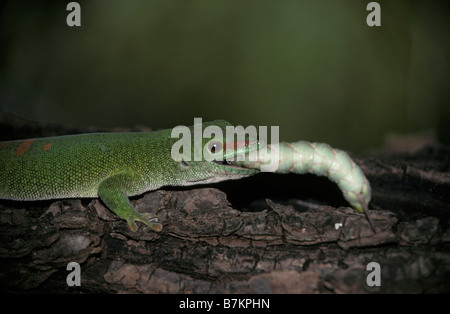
column 265, row 234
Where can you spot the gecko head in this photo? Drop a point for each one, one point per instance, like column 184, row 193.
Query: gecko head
column 219, row 163
column 222, row 156
column 221, row 147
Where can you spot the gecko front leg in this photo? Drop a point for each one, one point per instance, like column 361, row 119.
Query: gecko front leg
column 112, row 192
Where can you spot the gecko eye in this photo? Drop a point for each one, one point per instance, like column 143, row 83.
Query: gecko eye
column 215, row 147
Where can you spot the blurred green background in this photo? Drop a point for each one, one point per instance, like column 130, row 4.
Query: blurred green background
column 314, row 68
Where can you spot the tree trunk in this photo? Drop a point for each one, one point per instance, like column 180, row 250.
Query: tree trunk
column 265, row 234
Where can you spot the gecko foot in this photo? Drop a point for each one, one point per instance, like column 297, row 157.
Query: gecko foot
column 147, row 219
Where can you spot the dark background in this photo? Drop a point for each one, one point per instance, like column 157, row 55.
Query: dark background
column 314, row 68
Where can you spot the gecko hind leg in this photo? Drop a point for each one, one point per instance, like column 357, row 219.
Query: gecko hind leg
column 111, row 192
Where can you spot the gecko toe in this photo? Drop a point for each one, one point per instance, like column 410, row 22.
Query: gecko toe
column 133, row 226
column 155, row 226
column 147, row 219
column 152, row 222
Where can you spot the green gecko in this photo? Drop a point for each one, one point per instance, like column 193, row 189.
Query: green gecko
column 112, row 167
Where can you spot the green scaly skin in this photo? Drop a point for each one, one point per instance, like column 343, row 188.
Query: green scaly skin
column 111, row 166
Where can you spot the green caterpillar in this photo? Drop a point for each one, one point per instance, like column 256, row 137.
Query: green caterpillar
column 319, row 159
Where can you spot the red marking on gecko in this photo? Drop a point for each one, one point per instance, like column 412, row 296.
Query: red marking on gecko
column 3, row 144
column 236, row 145
column 24, row 147
column 47, row 146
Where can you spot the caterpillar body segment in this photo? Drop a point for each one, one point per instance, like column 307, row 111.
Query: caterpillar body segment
column 320, row 159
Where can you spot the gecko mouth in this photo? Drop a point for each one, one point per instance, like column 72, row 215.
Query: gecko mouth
column 229, row 164
column 231, row 168
column 226, row 163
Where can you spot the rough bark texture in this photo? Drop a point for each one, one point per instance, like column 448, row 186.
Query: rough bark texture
column 245, row 236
